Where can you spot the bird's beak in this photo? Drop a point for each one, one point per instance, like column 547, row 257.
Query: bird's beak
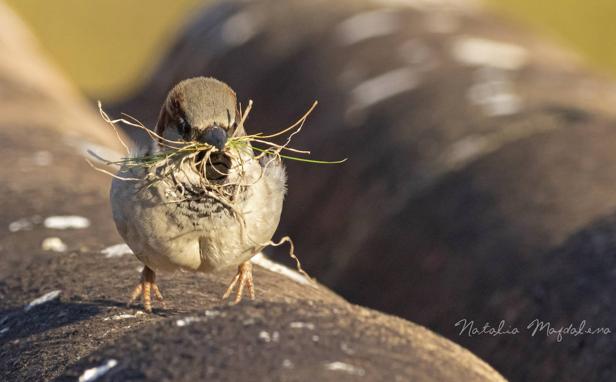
column 215, row 136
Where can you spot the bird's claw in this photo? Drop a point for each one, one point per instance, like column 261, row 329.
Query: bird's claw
column 146, row 286
column 242, row 279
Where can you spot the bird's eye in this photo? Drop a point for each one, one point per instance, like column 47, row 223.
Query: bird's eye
column 183, row 128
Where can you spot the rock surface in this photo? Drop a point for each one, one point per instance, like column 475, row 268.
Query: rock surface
column 482, row 164
column 62, row 313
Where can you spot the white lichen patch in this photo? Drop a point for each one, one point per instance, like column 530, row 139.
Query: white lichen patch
column 66, row 222
column 267, row 337
column 475, row 146
column 96, row 372
column 188, row 320
column 301, row 325
column 123, row 316
column 493, row 92
column 367, row 25
column 117, row 250
column 43, row 299
column 262, row 261
column 23, row 224
column 53, row 244
column 212, row 313
column 476, row 51
column 381, row 88
column 464, row 150
column 241, row 28
column 346, row 368
column 287, row 364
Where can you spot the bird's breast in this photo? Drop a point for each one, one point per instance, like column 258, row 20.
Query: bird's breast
column 172, row 225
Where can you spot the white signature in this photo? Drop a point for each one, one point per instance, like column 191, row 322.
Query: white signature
column 536, row 326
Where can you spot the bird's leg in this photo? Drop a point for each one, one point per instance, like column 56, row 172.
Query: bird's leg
column 146, row 286
column 244, row 278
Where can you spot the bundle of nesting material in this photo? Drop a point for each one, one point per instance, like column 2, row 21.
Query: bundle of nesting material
column 207, row 170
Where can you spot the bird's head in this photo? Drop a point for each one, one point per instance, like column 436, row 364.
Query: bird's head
column 200, row 109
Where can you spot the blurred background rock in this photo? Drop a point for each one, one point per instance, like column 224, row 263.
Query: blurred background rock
column 110, row 47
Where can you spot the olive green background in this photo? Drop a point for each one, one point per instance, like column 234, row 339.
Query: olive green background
column 109, row 47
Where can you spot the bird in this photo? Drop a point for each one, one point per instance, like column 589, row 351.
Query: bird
column 176, row 224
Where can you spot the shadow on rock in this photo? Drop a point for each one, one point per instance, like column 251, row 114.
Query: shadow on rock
column 20, row 323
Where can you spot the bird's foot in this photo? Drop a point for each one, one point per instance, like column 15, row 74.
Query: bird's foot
column 146, row 286
column 242, row 279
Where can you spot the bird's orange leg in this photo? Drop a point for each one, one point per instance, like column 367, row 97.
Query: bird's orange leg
column 244, row 278
column 146, row 286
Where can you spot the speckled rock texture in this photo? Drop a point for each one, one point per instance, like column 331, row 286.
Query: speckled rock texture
column 62, row 308
column 482, row 165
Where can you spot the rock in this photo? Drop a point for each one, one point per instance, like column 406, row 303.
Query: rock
column 64, row 317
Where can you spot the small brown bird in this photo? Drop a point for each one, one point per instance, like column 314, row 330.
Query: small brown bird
column 175, row 223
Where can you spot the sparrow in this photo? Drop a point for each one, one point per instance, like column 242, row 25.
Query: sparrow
column 176, row 223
